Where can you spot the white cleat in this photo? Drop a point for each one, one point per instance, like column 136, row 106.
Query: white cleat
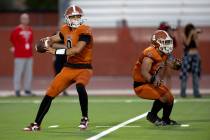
column 84, row 123
column 32, row 127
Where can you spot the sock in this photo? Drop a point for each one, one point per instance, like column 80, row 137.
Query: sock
column 83, row 99
column 157, row 106
column 167, row 108
column 43, row 109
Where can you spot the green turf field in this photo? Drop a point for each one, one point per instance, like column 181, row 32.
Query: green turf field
column 104, row 112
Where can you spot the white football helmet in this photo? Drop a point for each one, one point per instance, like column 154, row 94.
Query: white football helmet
column 162, row 41
column 72, row 11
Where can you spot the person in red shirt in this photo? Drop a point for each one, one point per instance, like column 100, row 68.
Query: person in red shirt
column 21, row 39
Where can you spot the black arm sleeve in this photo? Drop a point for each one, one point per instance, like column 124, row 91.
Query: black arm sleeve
column 86, row 38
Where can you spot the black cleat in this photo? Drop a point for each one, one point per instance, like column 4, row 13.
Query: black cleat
column 84, row 123
column 169, row 122
column 153, row 119
column 32, row 127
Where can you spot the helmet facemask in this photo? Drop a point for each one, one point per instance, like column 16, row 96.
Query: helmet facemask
column 73, row 22
column 166, row 45
column 163, row 41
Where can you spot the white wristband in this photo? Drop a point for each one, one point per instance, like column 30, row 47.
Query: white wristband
column 60, row 51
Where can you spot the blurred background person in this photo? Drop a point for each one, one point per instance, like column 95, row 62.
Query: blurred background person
column 166, row 72
column 125, row 41
column 22, row 38
column 191, row 60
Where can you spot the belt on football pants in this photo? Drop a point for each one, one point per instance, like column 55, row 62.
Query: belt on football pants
column 78, row 66
column 137, row 84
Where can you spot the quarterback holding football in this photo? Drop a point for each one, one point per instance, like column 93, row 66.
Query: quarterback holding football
column 78, row 45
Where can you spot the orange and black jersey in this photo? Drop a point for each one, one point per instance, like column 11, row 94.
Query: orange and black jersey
column 158, row 61
column 72, row 37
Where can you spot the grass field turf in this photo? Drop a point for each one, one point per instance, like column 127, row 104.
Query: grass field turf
column 104, row 112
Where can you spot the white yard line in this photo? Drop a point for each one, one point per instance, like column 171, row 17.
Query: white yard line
column 106, row 92
column 137, row 100
column 127, row 126
column 53, row 126
column 104, row 133
column 184, row 125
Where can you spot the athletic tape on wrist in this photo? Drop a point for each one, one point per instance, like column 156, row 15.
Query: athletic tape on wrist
column 60, row 51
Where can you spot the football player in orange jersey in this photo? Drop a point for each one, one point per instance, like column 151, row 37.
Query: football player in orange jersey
column 78, row 44
column 148, row 85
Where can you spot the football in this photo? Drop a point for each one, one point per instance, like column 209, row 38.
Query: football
column 40, row 46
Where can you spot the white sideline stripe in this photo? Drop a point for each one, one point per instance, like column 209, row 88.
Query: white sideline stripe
column 103, row 133
column 53, row 126
column 137, row 100
column 184, row 125
column 127, row 126
column 102, row 92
